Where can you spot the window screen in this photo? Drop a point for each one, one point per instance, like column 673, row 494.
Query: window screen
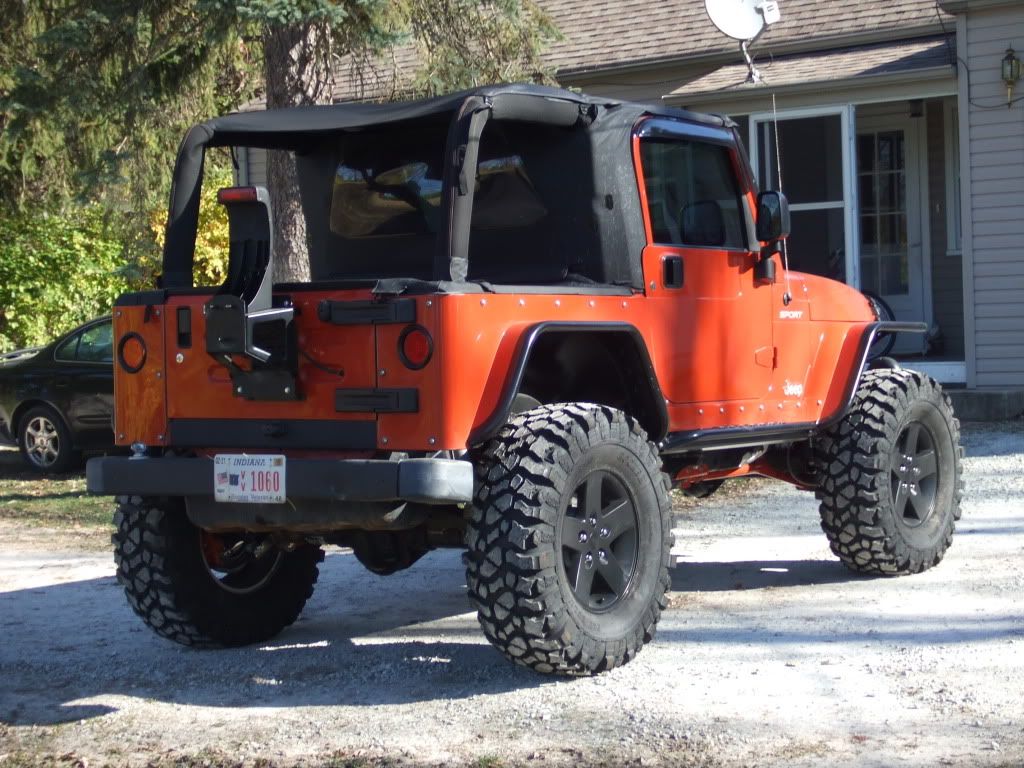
column 692, row 195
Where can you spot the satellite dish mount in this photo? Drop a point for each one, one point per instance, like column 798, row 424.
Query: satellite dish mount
column 746, row 21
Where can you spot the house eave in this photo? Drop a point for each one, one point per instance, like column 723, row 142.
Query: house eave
column 930, row 76
column 963, row 6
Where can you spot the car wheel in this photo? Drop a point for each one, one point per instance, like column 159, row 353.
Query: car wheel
column 569, row 539
column 893, row 478
column 207, row 590
column 45, row 441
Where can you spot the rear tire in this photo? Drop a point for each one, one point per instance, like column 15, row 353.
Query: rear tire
column 892, row 477
column 569, row 539
column 206, row 590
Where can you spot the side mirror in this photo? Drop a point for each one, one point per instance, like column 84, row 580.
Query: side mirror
column 772, row 216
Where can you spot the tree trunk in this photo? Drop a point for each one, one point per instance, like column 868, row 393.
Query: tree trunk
column 296, row 62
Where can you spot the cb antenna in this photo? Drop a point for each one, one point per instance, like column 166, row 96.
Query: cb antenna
column 746, row 21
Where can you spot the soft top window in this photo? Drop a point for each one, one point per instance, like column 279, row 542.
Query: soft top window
column 406, row 200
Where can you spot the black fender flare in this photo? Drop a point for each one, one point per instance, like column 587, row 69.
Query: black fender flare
column 657, row 427
column 856, row 373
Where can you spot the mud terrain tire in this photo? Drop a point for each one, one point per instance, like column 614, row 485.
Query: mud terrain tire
column 892, row 477
column 568, row 546
column 165, row 572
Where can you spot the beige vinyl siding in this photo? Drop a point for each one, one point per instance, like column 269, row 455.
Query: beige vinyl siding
column 257, row 166
column 996, row 166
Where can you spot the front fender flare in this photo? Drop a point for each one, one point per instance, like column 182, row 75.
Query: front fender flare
column 855, row 351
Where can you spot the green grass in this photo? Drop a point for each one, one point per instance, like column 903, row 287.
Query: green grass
column 59, row 502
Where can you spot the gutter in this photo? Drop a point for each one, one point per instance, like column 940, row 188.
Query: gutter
column 917, row 76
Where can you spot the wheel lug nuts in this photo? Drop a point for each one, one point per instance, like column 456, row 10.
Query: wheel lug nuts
column 588, row 560
column 583, row 537
column 605, row 533
column 602, row 556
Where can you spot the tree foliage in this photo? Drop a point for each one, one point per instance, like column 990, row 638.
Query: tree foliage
column 466, row 43
column 57, row 271
column 95, row 96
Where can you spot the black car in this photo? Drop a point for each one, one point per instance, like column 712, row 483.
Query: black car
column 58, row 400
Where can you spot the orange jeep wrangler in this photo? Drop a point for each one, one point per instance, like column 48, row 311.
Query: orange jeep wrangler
column 531, row 314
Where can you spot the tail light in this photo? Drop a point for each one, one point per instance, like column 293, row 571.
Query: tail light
column 415, row 347
column 237, row 195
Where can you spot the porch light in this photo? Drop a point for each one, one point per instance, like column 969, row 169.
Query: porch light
column 1011, row 74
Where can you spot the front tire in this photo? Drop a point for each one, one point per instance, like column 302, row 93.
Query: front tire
column 892, row 477
column 568, row 545
column 207, row 590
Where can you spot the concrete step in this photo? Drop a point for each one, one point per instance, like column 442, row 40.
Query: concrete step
column 987, row 404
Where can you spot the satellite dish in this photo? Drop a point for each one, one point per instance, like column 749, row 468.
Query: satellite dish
column 742, row 19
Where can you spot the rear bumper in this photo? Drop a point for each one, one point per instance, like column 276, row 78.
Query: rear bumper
column 426, row 481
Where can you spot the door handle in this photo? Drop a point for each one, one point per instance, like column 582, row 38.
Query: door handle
column 672, row 271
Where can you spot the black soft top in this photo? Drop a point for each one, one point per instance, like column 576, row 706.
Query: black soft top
column 609, row 124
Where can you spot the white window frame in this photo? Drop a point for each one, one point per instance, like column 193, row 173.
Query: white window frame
column 850, row 204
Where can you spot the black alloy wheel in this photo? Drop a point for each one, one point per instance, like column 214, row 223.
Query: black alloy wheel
column 915, row 476
column 599, row 541
column 240, row 564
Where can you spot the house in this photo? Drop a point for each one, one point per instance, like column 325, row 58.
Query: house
column 888, row 125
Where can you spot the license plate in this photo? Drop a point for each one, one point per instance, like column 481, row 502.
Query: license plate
column 255, row 479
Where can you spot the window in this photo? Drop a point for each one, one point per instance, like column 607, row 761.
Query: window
column 93, row 345
column 399, row 201
column 882, row 176
column 692, row 194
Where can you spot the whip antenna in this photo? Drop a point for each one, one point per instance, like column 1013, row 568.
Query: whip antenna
column 787, row 296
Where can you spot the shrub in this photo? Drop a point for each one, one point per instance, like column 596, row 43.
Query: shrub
column 57, row 269
column 61, row 268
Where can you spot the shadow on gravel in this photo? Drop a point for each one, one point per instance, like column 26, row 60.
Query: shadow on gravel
column 725, row 577
column 910, row 631
column 362, row 641
column 989, row 439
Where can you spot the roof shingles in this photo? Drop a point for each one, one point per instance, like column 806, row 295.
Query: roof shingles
column 607, row 34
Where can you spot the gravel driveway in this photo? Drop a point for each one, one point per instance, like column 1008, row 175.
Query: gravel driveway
column 771, row 654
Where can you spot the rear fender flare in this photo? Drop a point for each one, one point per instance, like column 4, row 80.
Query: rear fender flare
column 654, row 416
